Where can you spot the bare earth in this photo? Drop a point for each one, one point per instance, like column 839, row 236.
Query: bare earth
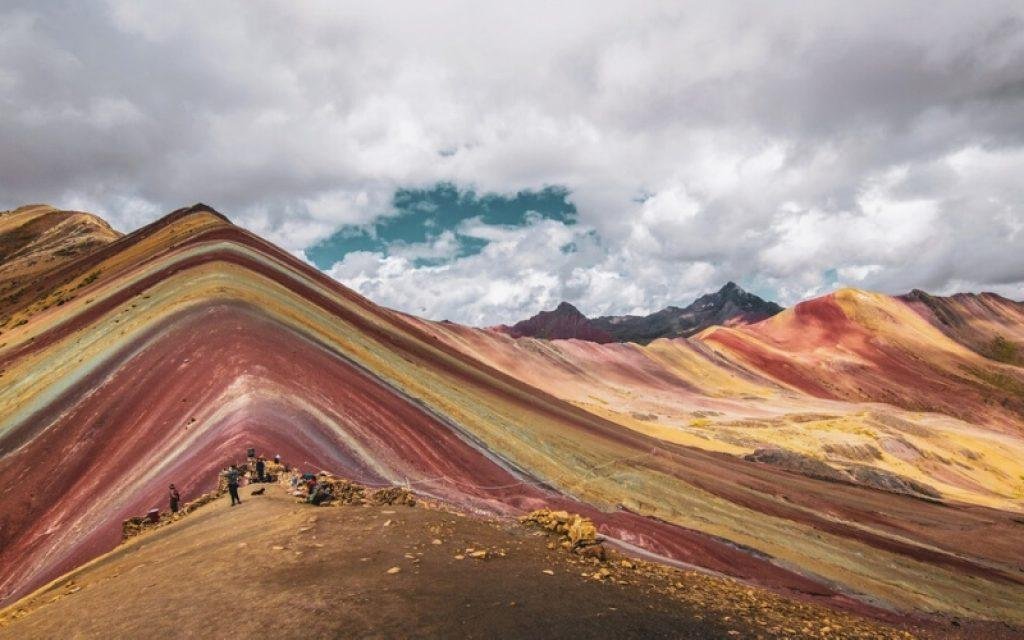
column 286, row 570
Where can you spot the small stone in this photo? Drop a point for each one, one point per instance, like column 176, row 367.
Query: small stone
column 548, row 572
column 479, row 555
column 460, row 557
column 277, row 547
column 436, row 541
column 394, row 570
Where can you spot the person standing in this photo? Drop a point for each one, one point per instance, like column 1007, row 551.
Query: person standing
column 232, row 475
column 261, row 467
column 175, row 499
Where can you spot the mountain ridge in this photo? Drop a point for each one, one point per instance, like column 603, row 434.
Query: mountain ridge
column 728, row 306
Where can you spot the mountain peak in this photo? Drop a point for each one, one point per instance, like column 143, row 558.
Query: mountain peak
column 564, row 322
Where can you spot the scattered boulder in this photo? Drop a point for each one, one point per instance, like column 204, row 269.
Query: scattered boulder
column 860, row 474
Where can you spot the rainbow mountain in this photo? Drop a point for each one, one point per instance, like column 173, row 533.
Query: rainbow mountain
column 860, row 449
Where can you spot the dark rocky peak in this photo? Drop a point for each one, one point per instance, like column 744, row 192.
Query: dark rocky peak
column 564, row 322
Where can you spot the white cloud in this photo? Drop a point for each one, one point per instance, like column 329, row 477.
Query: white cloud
column 776, row 144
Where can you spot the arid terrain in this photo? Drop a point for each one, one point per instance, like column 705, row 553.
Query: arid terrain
column 858, row 453
column 274, row 565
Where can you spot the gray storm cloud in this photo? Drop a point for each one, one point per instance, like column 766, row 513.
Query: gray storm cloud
column 793, row 147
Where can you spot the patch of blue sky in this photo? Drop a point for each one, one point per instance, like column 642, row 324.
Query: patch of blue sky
column 423, row 216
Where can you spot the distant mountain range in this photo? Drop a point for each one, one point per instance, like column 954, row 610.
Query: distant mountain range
column 728, row 306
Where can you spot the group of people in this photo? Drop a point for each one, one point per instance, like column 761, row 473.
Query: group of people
column 257, row 470
column 314, row 488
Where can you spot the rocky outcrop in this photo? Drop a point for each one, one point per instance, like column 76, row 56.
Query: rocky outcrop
column 797, row 463
column 861, row 474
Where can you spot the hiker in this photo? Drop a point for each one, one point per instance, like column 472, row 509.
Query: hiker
column 261, row 467
column 232, row 476
column 296, row 476
column 175, row 499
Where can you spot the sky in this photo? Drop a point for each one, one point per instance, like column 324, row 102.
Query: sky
column 479, row 162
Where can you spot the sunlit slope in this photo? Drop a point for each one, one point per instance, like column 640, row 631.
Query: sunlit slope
column 196, row 339
column 985, row 322
column 37, row 242
column 695, row 392
column 857, row 345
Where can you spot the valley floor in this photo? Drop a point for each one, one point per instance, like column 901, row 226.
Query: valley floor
column 272, row 567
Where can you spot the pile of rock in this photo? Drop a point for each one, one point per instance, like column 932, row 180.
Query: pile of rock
column 137, row 524
column 578, row 534
column 206, row 498
column 394, row 496
column 345, row 491
column 134, row 526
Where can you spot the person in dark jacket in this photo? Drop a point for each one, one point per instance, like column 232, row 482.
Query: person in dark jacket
column 175, row 499
column 232, row 475
column 261, row 467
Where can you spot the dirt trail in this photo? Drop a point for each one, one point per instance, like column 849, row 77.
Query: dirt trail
column 289, row 570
